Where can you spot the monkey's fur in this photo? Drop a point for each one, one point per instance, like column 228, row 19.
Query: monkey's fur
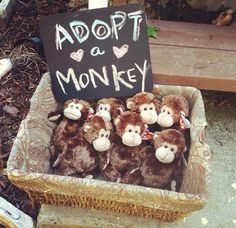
column 152, row 172
column 134, row 102
column 115, row 107
column 147, row 106
column 80, row 157
column 121, row 159
column 66, row 128
column 172, row 107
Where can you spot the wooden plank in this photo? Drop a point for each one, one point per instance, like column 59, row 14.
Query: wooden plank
column 199, row 55
column 194, row 35
column 119, row 2
column 201, row 68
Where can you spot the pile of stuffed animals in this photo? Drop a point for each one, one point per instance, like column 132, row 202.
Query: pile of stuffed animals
column 137, row 141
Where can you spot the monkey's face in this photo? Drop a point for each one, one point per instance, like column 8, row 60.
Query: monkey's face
column 73, row 111
column 165, row 118
column 148, row 113
column 103, row 110
column 131, row 136
column 102, row 143
column 166, row 153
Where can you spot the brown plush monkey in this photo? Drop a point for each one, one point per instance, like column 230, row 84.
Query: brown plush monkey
column 163, row 168
column 126, row 153
column 82, row 154
column 75, row 112
column 109, row 108
column 97, row 132
column 174, row 110
column 145, row 104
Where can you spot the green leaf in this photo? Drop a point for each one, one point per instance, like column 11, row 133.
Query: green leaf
column 152, row 31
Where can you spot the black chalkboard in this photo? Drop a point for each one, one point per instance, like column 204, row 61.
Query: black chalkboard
column 98, row 53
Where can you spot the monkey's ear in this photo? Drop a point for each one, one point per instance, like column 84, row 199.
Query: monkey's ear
column 130, row 104
column 116, row 121
column 87, row 127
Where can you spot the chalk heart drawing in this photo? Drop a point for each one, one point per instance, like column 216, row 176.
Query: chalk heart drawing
column 120, row 52
column 78, row 55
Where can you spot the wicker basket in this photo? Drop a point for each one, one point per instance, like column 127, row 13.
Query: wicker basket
column 28, row 167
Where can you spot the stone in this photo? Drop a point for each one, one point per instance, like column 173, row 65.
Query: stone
column 61, row 216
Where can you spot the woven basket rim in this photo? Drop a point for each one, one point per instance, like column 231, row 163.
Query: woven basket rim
column 187, row 200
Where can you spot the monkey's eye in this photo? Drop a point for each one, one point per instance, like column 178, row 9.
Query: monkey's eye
column 151, row 108
column 130, row 130
column 172, row 149
column 145, row 109
column 168, row 113
column 165, row 146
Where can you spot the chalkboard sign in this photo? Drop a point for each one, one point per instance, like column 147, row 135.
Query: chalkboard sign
column 98, row 53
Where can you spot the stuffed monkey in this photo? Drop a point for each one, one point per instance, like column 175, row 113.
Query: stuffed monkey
column 174, row 110
column 109, row 108
column 146, row 105
column 82, row 154
column 163, row 168
column 75, row 112
column 126, row 153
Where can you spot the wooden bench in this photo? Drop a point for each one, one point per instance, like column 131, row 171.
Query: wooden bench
column 199, row 55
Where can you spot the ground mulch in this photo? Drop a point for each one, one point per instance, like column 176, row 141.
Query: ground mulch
column 17, row 87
